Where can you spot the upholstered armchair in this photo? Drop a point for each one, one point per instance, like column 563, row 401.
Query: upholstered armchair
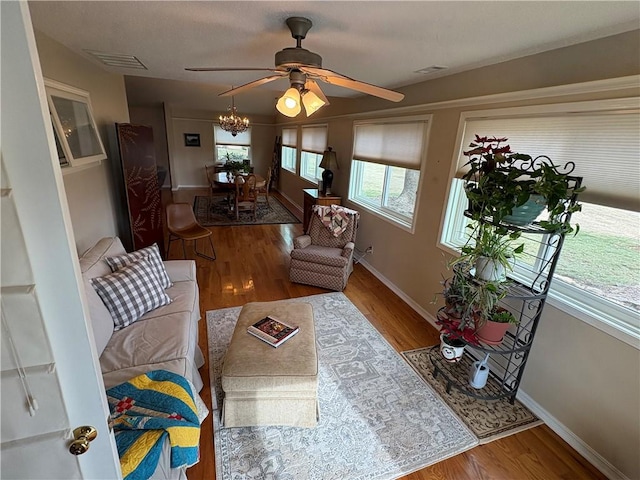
column 324, row 256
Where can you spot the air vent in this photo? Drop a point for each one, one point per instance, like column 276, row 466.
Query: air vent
column 117, row 60
column 431, row 69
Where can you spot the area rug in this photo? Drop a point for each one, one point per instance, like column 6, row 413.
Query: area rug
column 488, row 420
column 214, row 211
column 378, row 418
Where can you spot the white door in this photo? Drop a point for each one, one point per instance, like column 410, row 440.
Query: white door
column 50, row 379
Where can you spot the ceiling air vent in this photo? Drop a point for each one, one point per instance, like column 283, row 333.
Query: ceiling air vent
column 431, row 69
column 117, row 60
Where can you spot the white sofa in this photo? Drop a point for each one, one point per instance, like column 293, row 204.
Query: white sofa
column 165, row 338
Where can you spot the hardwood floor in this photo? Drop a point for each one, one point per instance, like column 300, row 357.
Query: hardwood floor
column 252, row 265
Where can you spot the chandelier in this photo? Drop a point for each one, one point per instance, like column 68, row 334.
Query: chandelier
column 232, row 122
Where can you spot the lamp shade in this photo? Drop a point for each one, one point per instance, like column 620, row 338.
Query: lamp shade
column 329, row 160
column 289, row 103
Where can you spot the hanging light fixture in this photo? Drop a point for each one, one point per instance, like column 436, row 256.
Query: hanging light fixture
column 302, row 92
column 232, row 122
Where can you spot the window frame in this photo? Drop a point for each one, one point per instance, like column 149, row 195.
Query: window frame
column 607, row 316
column 292, row 149
column 216, row 144
column 355, row 180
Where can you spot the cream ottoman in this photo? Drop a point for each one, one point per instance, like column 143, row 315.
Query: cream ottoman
column 264, row 385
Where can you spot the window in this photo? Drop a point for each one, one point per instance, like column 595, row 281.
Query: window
column 314, row 143
column 598, row 276
column 289, row 148
column 385, row 173
column 228, row 147
column 74, row 129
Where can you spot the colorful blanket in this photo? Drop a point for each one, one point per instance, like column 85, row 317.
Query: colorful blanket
column 146, row 410
column 334, row 217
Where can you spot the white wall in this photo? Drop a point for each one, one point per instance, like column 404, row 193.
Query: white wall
column 89, row 192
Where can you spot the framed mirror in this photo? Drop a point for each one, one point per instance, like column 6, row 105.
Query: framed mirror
column 75, row 131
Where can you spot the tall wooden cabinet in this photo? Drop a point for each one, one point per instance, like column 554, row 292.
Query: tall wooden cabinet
column 136, row 178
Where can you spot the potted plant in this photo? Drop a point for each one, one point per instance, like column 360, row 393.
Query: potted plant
column 495, row 326
column 499, row 181
column 490, row 248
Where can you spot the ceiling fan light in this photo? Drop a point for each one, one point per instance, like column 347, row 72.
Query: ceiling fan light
column 289, row 103
column 312, row 103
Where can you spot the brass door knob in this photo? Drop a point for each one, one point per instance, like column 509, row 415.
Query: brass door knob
column 83, row 435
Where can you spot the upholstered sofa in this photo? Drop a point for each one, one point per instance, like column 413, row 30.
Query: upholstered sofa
column 165, row 338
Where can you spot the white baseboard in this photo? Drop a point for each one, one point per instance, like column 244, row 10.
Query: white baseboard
column 181, row 187
column 563, row 432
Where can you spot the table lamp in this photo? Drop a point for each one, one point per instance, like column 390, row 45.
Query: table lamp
column 329, row 162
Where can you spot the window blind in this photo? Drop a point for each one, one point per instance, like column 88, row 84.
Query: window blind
column 290, row 137
column 395, row 144
column 605, row 147
column 314, row 138
column 225, row 138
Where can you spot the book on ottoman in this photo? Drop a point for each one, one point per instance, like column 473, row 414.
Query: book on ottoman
column 272, row 331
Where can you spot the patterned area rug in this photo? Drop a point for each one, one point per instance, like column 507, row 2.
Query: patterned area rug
column 378, row 418
column 488, row 420
column 214, row 211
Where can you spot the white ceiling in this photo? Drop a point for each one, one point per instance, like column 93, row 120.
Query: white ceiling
column 383, row 43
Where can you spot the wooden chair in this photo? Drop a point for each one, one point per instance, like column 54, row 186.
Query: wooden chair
column 246, row 195
column 263, row 190
column 211, row 172
column 182, row 224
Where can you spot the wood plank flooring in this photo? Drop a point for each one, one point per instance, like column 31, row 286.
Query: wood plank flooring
column 252, row 265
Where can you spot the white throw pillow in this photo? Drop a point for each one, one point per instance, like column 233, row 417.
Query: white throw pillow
column 131, row 292
column 153, row 252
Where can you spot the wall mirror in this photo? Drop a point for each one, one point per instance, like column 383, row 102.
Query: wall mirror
column 74, row 128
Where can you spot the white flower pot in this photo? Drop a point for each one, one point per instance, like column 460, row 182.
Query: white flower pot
column 488, row 269
column 451, row 353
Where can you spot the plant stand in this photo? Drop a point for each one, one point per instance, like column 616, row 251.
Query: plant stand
column 526, row 300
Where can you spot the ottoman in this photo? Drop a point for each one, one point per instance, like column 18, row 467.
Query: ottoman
column 264, row 385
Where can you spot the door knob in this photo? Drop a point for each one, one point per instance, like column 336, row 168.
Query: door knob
column 83, row 435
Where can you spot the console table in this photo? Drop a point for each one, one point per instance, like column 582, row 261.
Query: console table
column 313, row 197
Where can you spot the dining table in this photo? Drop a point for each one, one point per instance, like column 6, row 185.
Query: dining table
column 226, row 181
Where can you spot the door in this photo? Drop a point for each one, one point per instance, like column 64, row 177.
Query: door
column 51, row 380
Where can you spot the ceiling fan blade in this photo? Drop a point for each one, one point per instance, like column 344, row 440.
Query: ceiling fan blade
column 255, row 83
column 231, row 69
column 335, row 78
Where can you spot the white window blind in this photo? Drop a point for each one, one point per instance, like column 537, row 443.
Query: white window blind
column 290, row 137
column 225, row 138
column 314, row 138
column 605, row 147
column 395, row 144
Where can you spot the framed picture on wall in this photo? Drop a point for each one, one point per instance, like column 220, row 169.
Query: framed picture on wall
column 191, row 139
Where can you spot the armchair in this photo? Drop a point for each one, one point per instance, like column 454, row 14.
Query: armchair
column 321, row 258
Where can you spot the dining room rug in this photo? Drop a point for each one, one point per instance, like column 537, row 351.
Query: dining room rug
column 214, row 211
column 488, row 420
column 378, row 418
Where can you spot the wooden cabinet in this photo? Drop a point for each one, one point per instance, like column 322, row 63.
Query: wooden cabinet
column 313, row 197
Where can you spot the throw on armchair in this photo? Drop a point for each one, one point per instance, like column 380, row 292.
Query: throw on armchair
column 324, row 256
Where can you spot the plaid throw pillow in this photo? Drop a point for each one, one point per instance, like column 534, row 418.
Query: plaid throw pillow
column 153, row 252
column 131, row 292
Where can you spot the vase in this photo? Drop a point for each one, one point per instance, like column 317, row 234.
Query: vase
column 492, row 333
column 525, row 214
column 488, row 269
column 451, row 349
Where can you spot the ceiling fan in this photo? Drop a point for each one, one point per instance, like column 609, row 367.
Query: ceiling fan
column 303, row 68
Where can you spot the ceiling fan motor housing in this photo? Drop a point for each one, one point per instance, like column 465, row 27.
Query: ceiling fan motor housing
column 295, row 57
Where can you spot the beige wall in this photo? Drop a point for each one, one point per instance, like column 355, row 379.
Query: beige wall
column 187, row 163
column 585, row 379
column 89, row 192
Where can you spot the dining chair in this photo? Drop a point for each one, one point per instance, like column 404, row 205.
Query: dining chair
column 182, row 225
column 246, row 195
column 263, row 190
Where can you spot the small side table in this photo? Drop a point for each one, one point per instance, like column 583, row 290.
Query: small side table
column 313, row 197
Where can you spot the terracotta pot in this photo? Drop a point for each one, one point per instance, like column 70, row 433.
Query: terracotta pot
column 492, row 333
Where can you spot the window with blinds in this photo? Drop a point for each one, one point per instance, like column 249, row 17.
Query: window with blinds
column 314, row 143
column 385, row 172
column 289, row 148
column 598, row 276
column 232, row 148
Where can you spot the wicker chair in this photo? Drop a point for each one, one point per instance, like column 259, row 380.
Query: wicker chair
column 320, row 258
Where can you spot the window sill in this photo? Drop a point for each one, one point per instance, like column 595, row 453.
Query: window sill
column 404, row 225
